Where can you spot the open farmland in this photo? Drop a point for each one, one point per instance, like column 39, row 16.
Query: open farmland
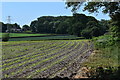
column 37, row 37
column 44, row 59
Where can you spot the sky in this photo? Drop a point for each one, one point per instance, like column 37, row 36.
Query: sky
column 24, row 12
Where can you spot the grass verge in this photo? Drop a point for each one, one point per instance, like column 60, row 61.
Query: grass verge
column 104, row 61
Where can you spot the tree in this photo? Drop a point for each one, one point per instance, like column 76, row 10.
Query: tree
column 5, row 37
column 3, row 27
column 104, row 25
column 51, row 28
column 9, row 27
column 77, row 28
column 16, row 26
column 93, row 29
column 65, row 24
column 112, row 8
column 62, row 28
column 25, row 28
column 33, row 26
column 86, row 33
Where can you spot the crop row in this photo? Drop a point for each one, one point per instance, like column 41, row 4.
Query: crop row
column 70, row 64
column 18, row 59
column 26, row 57
column 63, row 64
column 33, row 59
column 67, row 54
column 17, row 51
column 71, row 55
column 49, row 59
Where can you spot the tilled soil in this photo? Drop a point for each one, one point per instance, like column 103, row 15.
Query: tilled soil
column 62, row 60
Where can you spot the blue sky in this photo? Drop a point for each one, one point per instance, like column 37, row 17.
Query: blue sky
column 25, row 12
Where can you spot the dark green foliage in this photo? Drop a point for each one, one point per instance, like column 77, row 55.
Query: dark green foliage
column 25, row 28
column 93, row 29
column 16, row 26
column 86, row 34
column 33, row 26
column 62, row 28
column 115, row 28
column 77, row 28
column 9, row 27
column 78, row 24
column 3, row 27
column 112, row 8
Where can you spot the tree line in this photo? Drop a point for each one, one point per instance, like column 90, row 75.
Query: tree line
column 13, row 27
column 78, row 24
column 10, row 27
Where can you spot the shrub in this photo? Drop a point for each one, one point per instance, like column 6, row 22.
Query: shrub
column 5, row 37
column 104, row 41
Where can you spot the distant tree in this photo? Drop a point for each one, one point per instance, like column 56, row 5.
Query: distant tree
column 16, row 26
column 93, row 29
column 33, row 26
column 86, row 33
column 80, row 18
column 3, row 27
column 66, row 25
column 25, row 28
column 46, row 26
column 51, row 27
column 9, row 27
column 62, row 28
column 77, row 28
column 105, row 25
column 56, row 23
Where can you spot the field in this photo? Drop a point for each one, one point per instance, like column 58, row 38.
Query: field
column 37, row 37
column 44, row 59
column 57, row 37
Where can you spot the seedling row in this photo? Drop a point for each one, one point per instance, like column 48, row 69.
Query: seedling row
column 44, row 59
